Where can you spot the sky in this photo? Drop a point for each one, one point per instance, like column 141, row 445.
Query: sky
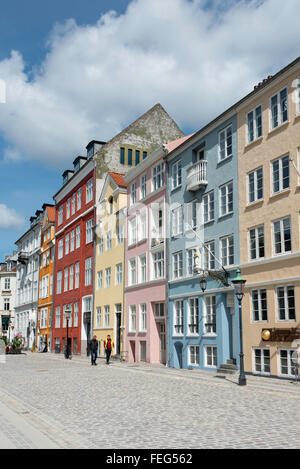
column 76, row 71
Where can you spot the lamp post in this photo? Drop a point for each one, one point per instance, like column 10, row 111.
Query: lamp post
column 68, row 315
column 239, row 284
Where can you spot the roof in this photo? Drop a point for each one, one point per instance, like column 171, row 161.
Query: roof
column 118, row 178
column 51, row 214
column 175, row 143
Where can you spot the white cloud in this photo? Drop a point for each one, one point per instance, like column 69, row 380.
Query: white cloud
column 196, row 61
column 10, row 219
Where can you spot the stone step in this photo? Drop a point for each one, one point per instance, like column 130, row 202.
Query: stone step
column 228, row 368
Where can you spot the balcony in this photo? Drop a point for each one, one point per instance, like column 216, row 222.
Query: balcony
column 23, row 257
column 196, row 176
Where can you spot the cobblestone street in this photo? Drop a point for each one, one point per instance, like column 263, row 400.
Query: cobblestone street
column 47, row 401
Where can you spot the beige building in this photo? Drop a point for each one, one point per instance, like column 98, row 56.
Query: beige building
column 269, row 213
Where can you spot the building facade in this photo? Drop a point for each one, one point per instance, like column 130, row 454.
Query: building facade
column 269, row 201
column 8, row 274
column 46, row 276
column 29, row 245
column 109, row 265
column 202, row 194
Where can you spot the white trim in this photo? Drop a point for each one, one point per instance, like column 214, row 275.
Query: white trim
column 73, row 221
column 75, row 180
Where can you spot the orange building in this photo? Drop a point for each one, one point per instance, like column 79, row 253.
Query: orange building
column 44, row 319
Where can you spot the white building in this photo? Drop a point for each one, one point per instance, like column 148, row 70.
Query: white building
column 29, row 246
column 7, row 296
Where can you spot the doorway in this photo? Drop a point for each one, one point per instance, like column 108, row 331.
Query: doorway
column 118, row 330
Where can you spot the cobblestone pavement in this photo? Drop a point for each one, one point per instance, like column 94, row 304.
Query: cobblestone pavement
column 70, row 404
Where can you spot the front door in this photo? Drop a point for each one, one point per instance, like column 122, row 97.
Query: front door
column 118, row 333
column 162, row 340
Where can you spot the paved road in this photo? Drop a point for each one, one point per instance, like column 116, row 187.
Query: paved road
column 49, row 402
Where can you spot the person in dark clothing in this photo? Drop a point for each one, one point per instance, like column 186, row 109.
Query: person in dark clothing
column 94, row 350
column 108, row 346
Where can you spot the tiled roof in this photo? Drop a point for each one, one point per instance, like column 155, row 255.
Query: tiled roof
column 175, row 143
column 118, row 178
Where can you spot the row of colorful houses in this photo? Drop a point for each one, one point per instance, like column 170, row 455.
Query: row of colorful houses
column 148, row 230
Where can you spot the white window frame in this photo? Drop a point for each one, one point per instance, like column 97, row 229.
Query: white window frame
column 193, row 316
column 119, row 274
column 177, row 221
column 194, row 355
column 281, row 188
column 286, row 304
column 89, row 190
column 158, row 262
column 209, row 202
column 290, row 364
column 77, row 275
column 262, row 359
column 132, row 231
column 177, row 265
column 256, row 136
column 143, row 317
column 259, row 292
column 88, row 271
column 132, row 272
column 282, row 240
column 133, row 195
column 228, row 187
column 176, row 174
column 255, row 183
column 132, row 318
column 89, row 231
column 210, row 311
column 143, row 186
column 106, row 316
column 226, row 261
column 108, row 277
column 142, row 278
column 227, row 146
column 212, row 356
column 178, row 318
column 257, row 247
column 158, row 177
column 279, row 109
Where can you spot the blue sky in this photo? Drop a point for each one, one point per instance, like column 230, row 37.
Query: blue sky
column 74, row 73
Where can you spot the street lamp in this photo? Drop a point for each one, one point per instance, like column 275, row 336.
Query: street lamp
column 239, row 283
column 68, row 315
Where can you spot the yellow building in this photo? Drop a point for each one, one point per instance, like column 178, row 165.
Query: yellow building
column 109, row 264
column 269, row 214
column 46, row 278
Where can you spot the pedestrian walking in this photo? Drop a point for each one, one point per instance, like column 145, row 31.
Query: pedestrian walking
column 108, row 347
column 94, row 350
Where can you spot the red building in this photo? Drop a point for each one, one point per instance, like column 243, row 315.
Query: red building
column 73, row 282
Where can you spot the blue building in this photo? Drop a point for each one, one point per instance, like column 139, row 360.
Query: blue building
column 202, row 194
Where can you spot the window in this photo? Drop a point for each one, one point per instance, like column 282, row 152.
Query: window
column 89, row 231
column 132, row 318
column 193, row 316
column 132, row 234
column 77, row 274
column 227, row 250
column 226, row 199
column 71, row 277
column 144, row 154
column 160, row 310
column 73, row 203
column 177, row 221
column 122, row 155
column 108, row 241
column 190, row 261
column 262, row 363
column 225, row 143
column 75, row 315
column 132, row 272
column 107, row 277
column 142, row 269
column 100, row 279
column 282, row 242
column 60, row 248
column 279, row 108
column 60, row 214
column 158, row 265
column 129, row 157
column 254, row 124
column 106, row 316
column 255, row 185
column 101, row 245
column 209, row 253
column 78, row 233
column 259, row 305
column 143, row 186
column 119, row 270
column 66, row 279
column 142, row 226
column 79, row 199
column 68, row 208
column 286, row 303
column 157, row 223
column 209, row 207
column 137, row 157
column 176, row 174
column 211, row 356
column 119, row 235
column 133, row 193
column 88, row 271
column 111, row 205
column 67, row 244
column 194, row 355
column 191, row 215
column 177, row 265
column 72, row 240
column 257, row 243
column 89, row 191
column 59, row 283
column 57, row 317
column 210, row 326
column 7, row 283
column 6, row 304
column 178, row 317
column 157, row 177
column 143, row 318
column 281, row 174
column 99, row 317
column 287, row 359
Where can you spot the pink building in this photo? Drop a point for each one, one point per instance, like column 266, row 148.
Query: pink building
column 145, row 259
